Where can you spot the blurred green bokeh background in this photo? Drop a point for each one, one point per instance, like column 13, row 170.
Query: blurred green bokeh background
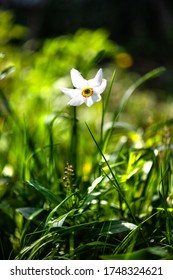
column 144, row 28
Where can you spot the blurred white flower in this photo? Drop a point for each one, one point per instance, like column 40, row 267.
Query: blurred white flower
column 85, row 91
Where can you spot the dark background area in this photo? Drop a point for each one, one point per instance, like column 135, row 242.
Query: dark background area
column 143, row 27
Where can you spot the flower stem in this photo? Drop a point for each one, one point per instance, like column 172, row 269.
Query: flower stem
column 74, row 141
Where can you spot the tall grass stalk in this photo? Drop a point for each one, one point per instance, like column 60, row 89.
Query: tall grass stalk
column 74, row 141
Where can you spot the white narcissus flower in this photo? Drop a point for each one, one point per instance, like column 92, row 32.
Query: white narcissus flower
column 85, row 91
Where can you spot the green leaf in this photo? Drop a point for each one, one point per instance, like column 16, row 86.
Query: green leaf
column 143, row 254
column 6, row 71
column 60, row 220
column 96, row 229
column 95, row 183
column 44, row 191
column 113, row 227
column 27, row 212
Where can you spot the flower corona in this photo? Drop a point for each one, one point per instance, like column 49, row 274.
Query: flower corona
column 85, row 91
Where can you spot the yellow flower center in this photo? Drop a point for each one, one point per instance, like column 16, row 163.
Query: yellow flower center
column 86, row 92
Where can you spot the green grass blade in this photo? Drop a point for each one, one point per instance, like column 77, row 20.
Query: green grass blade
column 105, row 104
column 6, row 71
column 114, row 181
column 152, row 74
column 56, row 208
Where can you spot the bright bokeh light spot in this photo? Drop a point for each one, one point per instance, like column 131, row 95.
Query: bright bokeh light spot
column 124, row 60
column 87, row 167
column 8, row 170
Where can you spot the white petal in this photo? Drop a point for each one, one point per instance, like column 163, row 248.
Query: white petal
column 71, row 92
column 101, row 88
column 92, row 99
column 97, row 79
column 77, row 80
column 77, row 101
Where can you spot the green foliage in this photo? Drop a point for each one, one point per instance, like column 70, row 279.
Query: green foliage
column 116, row 202
column 9, row 31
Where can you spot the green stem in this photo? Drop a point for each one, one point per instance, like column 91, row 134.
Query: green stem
column 74, row 141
